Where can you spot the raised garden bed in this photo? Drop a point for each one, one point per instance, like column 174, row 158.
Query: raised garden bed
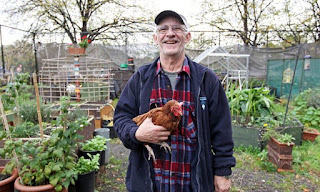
column 249, row 135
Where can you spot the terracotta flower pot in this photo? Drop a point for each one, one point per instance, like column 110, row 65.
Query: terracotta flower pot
column 76, row 51
column 280, row 154
column 7, row 184
column 41, row 188
column 310, row 135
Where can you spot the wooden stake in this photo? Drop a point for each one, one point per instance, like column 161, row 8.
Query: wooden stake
column 38, row 104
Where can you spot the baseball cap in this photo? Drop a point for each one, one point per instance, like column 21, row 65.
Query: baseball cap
column 169, row 13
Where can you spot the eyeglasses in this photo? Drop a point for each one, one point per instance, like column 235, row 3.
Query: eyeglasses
column 163, row 29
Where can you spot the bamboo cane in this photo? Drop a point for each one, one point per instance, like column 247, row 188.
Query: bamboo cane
column 38, row 104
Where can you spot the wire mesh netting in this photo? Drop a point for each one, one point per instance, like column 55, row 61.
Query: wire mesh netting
column 80, row 77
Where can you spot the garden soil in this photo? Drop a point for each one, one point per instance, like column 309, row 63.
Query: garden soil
column 243, row 180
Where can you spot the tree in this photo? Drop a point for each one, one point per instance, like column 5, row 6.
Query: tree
column 289, row 30
column 300, row 24
column 246, row 18
column 312, row 23
column 20, row 53
column 96, row 19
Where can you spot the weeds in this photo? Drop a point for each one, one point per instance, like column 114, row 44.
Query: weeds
column 306, row 165
column 114, row 177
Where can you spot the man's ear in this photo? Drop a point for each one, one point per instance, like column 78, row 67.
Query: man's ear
column 155, row 38
column 188, row 37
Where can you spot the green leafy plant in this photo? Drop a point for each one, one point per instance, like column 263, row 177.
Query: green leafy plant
column 98, row 143
column 285, row 138
column 51, row 160
column 313, row 98
column 88, row 165
column 17, row 92
column 256, row 82
column 306, row 107
column 28, row 112
column 264, row 163
column 253, row 103
column 25, row 129
column 273, row 132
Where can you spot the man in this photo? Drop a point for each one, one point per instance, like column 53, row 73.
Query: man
column 202, row 145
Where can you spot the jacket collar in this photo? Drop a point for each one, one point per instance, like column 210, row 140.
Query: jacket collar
column 185, row 67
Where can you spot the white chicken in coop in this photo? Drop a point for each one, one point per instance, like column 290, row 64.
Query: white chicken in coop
column 71, row 88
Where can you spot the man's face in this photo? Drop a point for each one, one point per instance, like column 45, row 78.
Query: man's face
column 171, row 37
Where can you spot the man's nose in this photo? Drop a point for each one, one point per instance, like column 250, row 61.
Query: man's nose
column 170, row 31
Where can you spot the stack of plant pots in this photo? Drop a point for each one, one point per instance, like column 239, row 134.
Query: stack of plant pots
column 280, row 154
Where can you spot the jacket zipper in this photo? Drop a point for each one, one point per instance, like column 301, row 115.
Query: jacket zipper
column 198, row 97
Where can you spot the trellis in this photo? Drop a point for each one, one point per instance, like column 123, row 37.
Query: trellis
column 81, row 77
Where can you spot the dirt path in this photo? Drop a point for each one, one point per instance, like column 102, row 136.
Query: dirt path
column 243, row 180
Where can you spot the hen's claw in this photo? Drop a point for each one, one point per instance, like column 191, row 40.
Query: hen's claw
column 165, row 146
column 151, row 153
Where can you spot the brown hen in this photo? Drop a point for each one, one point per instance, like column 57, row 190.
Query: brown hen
column 168, row 116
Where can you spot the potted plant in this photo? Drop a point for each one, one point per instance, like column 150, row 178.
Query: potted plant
column 47, row 164
column 96, row 145
column 279, row 149
column 310, row 134
column 84, row 43
column 7, row 180
column 86, row 173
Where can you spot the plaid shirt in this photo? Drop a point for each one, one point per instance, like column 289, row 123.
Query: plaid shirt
column 173, row 171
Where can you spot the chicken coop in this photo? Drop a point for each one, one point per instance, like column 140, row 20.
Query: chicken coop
column 81, row 77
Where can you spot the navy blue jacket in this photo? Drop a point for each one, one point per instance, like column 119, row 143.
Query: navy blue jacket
column 214, row 132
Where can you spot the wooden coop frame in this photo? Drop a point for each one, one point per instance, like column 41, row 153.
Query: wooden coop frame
column 81, row 77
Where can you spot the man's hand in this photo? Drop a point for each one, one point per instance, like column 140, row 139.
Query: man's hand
column 150, row 133
column 222, row 184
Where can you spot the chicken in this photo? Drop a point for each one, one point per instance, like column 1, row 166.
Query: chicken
column 167, row 116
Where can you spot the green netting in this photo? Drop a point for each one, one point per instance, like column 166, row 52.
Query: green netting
column 274, row 75
column 304, row 78
column 311, row 78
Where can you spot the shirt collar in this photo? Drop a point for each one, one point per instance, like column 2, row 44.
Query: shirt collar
column 185, row 67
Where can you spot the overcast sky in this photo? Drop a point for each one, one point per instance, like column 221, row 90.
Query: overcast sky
column 184, row 7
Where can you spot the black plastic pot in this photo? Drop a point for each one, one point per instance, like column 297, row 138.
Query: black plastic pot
column 112, row 133
column 86, row 182
column 102, row 155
